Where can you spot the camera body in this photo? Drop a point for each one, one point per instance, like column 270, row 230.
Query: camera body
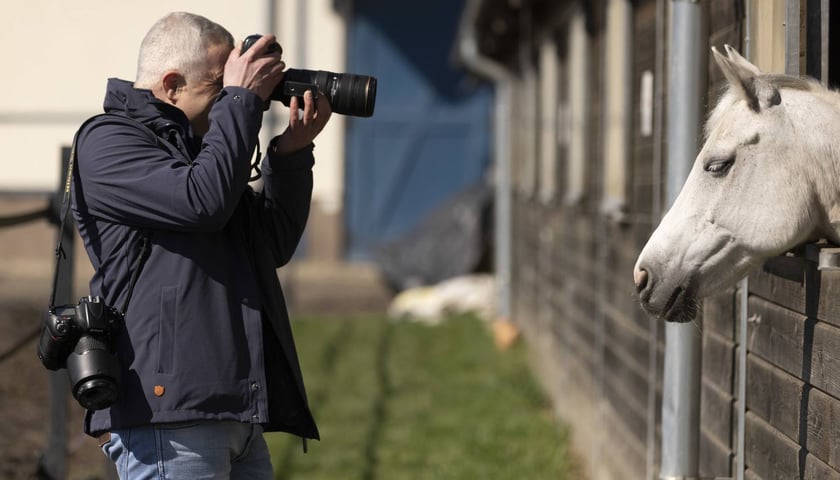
column 347, row 93
column 80, row 338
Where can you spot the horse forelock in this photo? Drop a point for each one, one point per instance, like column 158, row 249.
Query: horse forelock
column 724, row 103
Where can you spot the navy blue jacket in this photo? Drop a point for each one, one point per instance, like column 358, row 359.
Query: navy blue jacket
column 206, row 334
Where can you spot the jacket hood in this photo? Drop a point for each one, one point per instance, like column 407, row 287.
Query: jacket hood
column 140, row 104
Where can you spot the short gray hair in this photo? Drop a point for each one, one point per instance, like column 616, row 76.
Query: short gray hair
column 178, row 41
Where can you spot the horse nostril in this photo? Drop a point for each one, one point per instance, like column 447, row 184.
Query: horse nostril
column 640, row 278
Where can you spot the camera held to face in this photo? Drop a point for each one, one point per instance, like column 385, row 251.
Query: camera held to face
column 348, row 94
column 81, row 338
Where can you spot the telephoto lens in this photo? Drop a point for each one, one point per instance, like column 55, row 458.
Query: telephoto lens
column 347, row 93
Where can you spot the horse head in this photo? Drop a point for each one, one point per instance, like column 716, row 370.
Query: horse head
column 765, row 180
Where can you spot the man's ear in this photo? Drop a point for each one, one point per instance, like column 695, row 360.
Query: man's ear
column 172, row 83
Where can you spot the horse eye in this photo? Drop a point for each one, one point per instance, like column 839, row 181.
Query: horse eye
column 719, row 167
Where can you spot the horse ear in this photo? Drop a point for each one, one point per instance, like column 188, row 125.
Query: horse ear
column 744, row 78
column 737, row 76
column 742, row 62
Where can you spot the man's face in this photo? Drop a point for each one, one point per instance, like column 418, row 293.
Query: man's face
column 199, row 94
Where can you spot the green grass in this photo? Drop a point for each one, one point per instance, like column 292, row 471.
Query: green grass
column 410, row 401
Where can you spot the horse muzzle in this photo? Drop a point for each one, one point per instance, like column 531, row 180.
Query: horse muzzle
column 669, row 303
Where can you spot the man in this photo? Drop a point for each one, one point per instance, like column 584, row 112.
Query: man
column 161, row 187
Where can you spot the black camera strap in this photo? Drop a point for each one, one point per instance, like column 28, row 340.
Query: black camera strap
column 64, row 213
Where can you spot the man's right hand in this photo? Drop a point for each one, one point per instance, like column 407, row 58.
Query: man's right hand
column 255, row 70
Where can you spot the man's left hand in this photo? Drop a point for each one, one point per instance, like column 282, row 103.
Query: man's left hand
column 303, row 129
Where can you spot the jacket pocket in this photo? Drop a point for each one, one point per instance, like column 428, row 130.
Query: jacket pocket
column 166, row 329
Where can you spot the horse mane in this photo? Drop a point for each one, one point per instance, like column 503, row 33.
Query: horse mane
column 793, row 82
column 778, row 80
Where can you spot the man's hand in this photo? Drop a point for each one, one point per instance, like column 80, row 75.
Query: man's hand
column 255, row 70
column 302, row 129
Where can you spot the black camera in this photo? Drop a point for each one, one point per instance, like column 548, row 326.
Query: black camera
column 81, row 338
column 348, row 94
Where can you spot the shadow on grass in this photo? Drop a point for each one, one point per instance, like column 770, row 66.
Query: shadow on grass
column 330, row 354
column 374, row 434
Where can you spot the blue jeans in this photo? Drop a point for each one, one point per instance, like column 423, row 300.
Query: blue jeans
column 190, row 450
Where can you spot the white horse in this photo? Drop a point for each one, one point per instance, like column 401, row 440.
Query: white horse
column 766, row 180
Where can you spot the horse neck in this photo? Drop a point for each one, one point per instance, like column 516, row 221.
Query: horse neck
column 815, row 121
column 820, row 133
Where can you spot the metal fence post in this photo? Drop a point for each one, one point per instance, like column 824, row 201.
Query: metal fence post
column 681, row 377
